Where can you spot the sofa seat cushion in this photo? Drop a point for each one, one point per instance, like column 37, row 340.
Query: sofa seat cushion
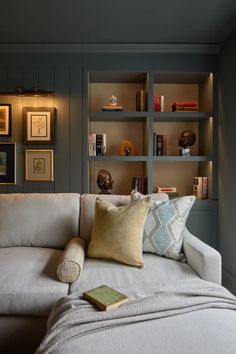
column 158, row 270
column 29, row 284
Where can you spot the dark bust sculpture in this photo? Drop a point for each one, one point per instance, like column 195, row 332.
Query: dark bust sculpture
column 104, row 181
column 187, row 138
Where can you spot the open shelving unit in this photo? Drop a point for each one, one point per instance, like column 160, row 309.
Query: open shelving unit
column 169, row 170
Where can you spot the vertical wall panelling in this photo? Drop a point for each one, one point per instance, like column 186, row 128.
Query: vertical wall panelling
column 62, row 148
column 227, row 166
column 47, row 82
column 30, row 79
column 14, row 80
column 76, row 136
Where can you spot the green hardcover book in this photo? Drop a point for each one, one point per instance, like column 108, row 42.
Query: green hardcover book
column 105, row 298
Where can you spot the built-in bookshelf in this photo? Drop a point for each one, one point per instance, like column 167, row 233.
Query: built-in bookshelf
column 138, row 127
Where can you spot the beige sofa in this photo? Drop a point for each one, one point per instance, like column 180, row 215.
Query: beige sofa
column 34, row 231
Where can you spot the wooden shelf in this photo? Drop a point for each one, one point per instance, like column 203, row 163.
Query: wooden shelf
column 181, row 116
column 118, row 158
column 183, row 158
column 117, row 116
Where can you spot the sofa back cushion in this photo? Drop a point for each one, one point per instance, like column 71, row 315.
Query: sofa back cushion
column 43, row 220
column 87, row 208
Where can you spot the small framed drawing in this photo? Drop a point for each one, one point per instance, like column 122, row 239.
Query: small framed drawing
column 39, row 166
column 7, row 163
column 38, row 125
column 5, row 119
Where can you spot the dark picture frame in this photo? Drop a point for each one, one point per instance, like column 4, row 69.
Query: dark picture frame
column 38, row 125
column 7, row 163
column 5, row 119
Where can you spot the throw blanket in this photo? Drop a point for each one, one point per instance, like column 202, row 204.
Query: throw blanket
column 72, row 317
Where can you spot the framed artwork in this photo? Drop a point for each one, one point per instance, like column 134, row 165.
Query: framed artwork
column 38, row 125
column 39, row 166
column 7, row 163
column 5, row 119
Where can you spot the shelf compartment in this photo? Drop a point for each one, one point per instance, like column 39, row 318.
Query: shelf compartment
column 122, row 84
column 203, row 130
column 117, row 131
column 175, row 173
column 121, row 173
column 184, row 86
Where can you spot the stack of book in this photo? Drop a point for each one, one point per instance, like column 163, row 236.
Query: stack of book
column 200, row 189
column 171, row 191
column 112, row 108
column 141, row 101
column 159, row 145
column 139, row 184
column 186, row 106
column 97, row 144
column 158, row 103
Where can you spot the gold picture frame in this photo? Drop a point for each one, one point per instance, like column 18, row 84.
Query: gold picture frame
column 39, row 165
column 38, row 125
column 5, row 119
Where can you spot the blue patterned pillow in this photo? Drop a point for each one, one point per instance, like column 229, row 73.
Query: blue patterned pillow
column 164, row 226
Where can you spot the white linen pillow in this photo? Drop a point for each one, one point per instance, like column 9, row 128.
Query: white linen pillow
column 164, row 227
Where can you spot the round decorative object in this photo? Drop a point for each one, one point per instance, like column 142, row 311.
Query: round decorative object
column 127, row 148
column 187, row 138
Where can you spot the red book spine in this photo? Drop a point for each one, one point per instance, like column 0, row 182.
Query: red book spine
column 157, row 103
column 186, row 104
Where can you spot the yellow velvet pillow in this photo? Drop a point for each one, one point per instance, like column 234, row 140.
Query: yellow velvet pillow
column 117, row 232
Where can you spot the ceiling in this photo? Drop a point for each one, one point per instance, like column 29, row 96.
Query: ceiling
column 120, row 21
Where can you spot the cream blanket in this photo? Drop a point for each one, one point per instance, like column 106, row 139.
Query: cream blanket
column 73, row 317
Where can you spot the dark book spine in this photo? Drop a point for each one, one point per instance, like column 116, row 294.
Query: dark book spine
column 141, row 101
column 154, row 144
column 143, row 185
column 99, row 145
column 159, row 145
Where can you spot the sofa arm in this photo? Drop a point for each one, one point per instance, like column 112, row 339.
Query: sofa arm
column 203, row 259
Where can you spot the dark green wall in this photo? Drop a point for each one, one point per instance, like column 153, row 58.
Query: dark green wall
column 227, row 160
column 63, row 73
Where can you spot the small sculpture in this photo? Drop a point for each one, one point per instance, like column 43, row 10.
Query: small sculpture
column 104, row 181
column 113, row 101
column 187, row 138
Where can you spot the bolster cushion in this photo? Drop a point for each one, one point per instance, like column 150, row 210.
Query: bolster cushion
column 72, row 260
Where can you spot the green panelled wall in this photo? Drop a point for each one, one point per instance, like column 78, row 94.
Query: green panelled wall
column 227, row 166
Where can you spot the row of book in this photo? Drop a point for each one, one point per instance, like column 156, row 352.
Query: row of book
column 186, row 106
column 97, row 144
column 139, row 184
column 141, row 102
column 200, row 187
column 159, row 144
column 158, row 104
